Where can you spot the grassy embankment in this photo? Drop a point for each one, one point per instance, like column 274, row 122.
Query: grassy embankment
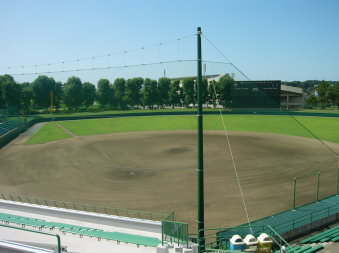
column 49, row 132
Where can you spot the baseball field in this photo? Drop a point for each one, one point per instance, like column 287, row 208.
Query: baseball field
column 149, row 162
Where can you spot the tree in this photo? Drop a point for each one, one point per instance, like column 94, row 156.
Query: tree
column 2, row 95
column 322, row 90
column 26, row 97
column 43, row 88
column 104, row 92
column 119, row 91
column 181, row 95
column 204, row 91
column 312, row 101
column 133, row 87
column 188, row 89
column 337, row 93
column 88, row 94
column 11, row 94
column 150, row 93
column 333, row 94
column 174, row 93
column 58, row 93
column 73, row 93
column 164, row 87
column 224, row 89
column 212, row 96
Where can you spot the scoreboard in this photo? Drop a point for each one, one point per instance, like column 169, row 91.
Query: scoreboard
column 256, row 94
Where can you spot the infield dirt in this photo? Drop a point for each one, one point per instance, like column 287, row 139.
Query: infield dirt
column 155, row 171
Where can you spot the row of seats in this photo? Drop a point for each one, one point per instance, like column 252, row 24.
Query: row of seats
column 80, row 230
column 326, row 236
column 8, row 126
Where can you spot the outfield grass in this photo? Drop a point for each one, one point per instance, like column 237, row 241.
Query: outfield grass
column 324, row 128
column 49, row 132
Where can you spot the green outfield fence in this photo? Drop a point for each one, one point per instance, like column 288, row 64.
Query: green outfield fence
column 157, row 216
column 174, row 232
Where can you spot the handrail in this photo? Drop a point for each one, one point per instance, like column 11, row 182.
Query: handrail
column 37, row 232
column 294, row 222
column 285, row 243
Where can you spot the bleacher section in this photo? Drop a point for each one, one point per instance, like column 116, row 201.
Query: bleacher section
column 330, row 235
column 289, row 220
column 79, row 230
column 9, row 125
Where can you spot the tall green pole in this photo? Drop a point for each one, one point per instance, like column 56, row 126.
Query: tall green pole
column 200, row 169
column 338, row 181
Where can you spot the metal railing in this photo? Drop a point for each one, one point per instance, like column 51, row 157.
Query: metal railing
column 276, row 237
column 174, row 232
column 157, row 216
column 307, row 219
column 37, row 232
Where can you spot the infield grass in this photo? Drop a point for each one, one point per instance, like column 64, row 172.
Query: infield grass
column 322, row 127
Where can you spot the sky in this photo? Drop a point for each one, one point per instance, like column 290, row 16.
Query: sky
column 266, row 39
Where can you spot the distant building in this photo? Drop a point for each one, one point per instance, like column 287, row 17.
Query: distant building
column 291, row 97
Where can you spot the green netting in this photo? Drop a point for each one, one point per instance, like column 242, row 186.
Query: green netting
column 288, row 220
column 174, row 232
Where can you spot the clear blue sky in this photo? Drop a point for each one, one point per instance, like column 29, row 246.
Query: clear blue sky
column 267, row 39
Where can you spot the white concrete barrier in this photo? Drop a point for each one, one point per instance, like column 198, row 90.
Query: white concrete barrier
column 162, row 249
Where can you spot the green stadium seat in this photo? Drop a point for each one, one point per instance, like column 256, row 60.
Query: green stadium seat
column 314, row 249
column 323, row 236
column 80, row 230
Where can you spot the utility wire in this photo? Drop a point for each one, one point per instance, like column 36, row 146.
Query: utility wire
column 227, row 59
column 94, row 57
column 113, row 67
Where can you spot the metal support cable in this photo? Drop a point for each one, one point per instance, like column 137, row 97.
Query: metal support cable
column 331, row 150
column 113, row 67
column 229, row 146
column 94, row 57
column 227, row 59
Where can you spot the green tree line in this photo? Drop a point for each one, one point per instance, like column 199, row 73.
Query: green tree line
column 325, row 94
column 74, row 95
